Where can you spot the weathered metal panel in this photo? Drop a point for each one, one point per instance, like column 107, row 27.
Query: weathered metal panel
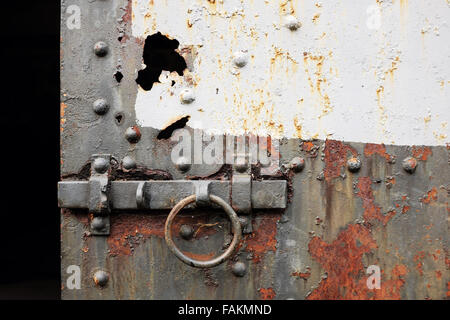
column 380, row 66
column 387, row 83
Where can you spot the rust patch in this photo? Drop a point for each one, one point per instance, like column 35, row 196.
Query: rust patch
column 405, row 209
column 79, row 214
column 391, row 181
column 200, row 256
column 62, row 116
column 263, row 239
column 372, row 212
column 421, row 153
column 302, row 275
column 342, row 260
column 310, row 148
column 380, row 149
column 267, row 293
column 418, row 258
column 129, row 230
column 438, row 274
column 307, row 146
column 436, row 255
column 126, row 17
column 430, row 197
column 336, row 158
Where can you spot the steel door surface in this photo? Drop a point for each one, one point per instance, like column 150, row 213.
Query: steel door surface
column 228, row 149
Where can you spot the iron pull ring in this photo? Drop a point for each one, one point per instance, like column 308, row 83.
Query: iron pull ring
column 235, row 224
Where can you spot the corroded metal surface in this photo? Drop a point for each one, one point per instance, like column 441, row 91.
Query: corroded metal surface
column 351, row 205
column 337, row 224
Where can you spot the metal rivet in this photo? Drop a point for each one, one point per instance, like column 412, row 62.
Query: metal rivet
column 186, row 231
column 240, row 59
column 183, row 164
column 128, row 163
column 100, row 106
column 297, row 164
column 292, row 23
column 101, row 49
column 101, row 278
column 409, row 164
column 98, row 224
column 101, row 165
column 239, row 269
column 353, row 164
column 187, row 96
column 133, row 134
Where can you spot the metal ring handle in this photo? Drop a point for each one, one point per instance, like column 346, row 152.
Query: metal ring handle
column 236, row 227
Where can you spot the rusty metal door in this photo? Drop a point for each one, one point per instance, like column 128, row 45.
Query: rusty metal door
column 227, row 149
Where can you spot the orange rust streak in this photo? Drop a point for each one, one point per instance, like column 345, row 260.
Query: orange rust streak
column 335, row 158
column 380, row 149
column 267, row 293
column 421, row 153
column 263, row 239
column 62, row 113
column 307, row 146
column 301, row 275
column 129, row 230
column 342, row 260
column 419, row 259
column 200, row 256
column 405, row 209
column 372, row 212
column 391, row 181
column 430, row 197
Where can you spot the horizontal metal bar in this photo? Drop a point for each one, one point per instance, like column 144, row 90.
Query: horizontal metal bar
column 165, row 194
column 73, row 194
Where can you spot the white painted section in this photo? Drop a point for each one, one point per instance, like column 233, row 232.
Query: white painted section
column 375, row 71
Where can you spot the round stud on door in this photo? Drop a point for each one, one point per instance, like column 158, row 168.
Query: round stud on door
column 100, row 106
column 101, row 49
column 101, row 165
column 239, row 269
column 186, row 232
column 128, row 163
column 133, row 134
column 409, row 165
column 292, row 23
column 353, row 164
column 101, row 278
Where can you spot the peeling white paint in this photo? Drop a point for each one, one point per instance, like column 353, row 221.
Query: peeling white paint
column 385, row 82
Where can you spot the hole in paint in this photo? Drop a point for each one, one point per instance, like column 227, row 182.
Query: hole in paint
column 118, row 76
column 168, row 131
column 119, row 118
column 120, row 38
column 159, row 54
